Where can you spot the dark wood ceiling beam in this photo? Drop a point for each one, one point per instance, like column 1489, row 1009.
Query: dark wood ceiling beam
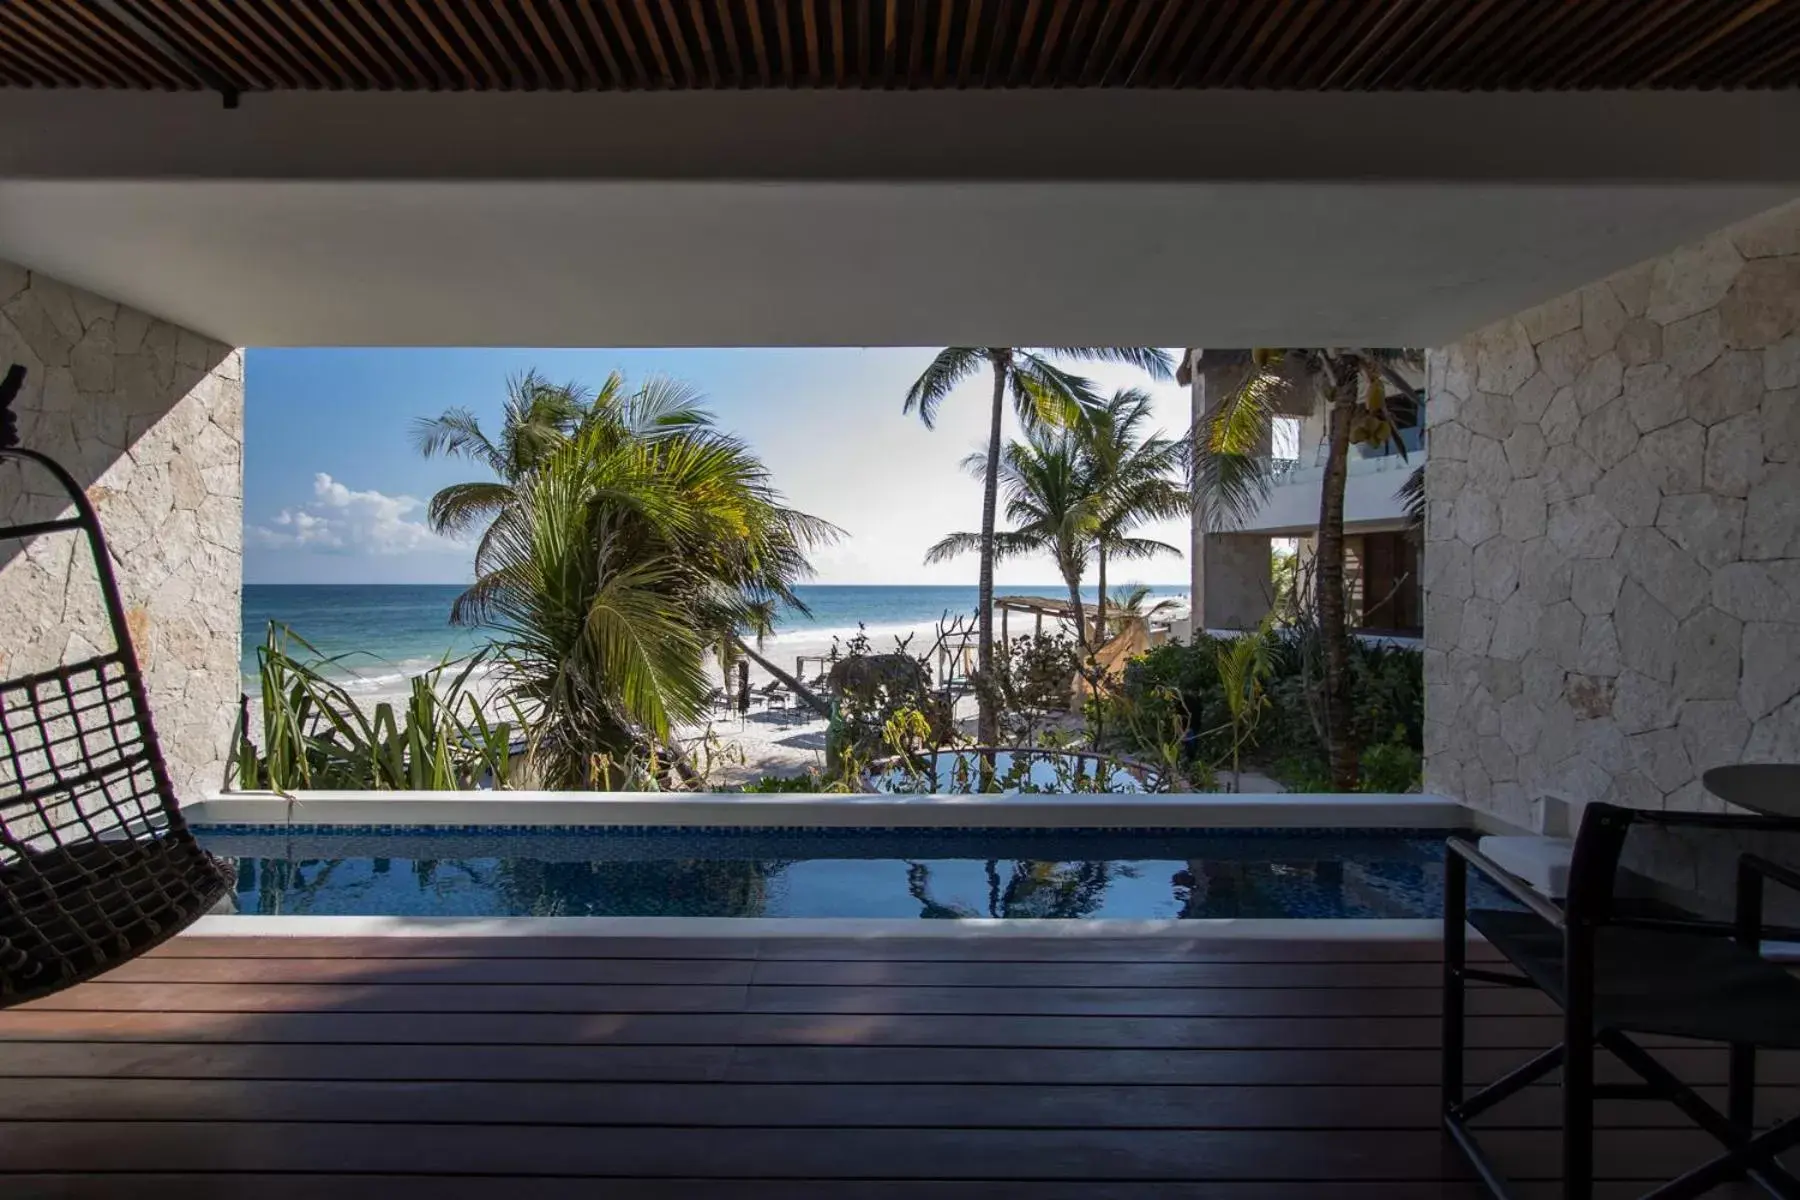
column 590, row 22
column 838, row 18
column 965, row 59
column 84, row 24
column 426, row 44
column 703, row 39
column 287, row 38
column 1748, row 13
column 41, row 69
column 1741, row 54
column 361, row 59
column 399, row 69
column 1021, row 47
column 34, row 27
column 784, row 45
column 809, row 23
column 1333, row 45
column 1052, row 35
column 592, row 75
column 573, row 79
column 1204, row 65
column 1152, row 44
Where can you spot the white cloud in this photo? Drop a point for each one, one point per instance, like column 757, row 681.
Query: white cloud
column 343, row 521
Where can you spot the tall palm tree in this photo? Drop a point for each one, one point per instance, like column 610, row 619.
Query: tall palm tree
column 1366, row 401
column 1042, row 392
column 1051, row 503
column 614, row 565
column 1134, row 473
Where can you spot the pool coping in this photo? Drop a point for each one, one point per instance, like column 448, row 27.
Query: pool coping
column 825, row 810
column 1258, row 928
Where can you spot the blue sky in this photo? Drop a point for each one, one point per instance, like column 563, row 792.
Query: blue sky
column 334, row 493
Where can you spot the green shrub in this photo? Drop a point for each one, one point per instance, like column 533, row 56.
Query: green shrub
column 1391, row 767
column 315, row 735
column 1174, row 690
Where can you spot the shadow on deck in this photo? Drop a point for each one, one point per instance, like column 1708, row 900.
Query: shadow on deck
column 791, row 1068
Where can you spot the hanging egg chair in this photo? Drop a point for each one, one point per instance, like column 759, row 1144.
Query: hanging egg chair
column 96, row 863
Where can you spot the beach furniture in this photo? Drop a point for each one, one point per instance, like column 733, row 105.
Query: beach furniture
column 96, row 863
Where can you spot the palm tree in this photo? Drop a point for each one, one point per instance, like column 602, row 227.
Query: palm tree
column 536, row 419
column 1051, row 502
column 1133, row 604
column 1041, row 393
column 1134, row 475
column 1365, row 401
column 617, row 560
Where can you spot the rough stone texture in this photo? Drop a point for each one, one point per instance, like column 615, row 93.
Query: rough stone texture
column 148, row 417
column 1625, row 560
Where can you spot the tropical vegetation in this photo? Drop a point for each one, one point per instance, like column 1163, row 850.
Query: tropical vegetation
column 1042, row 393
column 1366, row 402
column 627, row 534
column 312, row 734
column 1076, row 492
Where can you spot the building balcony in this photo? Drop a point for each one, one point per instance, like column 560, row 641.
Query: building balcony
column 1371, row 491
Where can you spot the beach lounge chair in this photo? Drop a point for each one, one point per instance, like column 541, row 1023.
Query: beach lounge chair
column 96, row 863
column 1619, row 968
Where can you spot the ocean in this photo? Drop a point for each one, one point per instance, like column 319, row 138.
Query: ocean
column 380, row 633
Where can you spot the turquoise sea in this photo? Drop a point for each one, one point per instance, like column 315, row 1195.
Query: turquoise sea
column 385, row 631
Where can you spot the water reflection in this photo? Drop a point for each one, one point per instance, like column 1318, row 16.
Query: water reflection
column 1217, row 877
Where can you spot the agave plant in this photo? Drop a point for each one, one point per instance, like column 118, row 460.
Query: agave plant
column 316, row 736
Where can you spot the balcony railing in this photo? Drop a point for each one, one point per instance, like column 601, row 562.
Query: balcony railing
column 1284, row 472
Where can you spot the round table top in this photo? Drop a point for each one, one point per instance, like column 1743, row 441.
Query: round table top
column 1772, row 789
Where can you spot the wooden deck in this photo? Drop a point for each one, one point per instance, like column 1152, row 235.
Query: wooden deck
column 798, row 1069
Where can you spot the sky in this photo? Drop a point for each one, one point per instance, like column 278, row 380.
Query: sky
column 335, row 493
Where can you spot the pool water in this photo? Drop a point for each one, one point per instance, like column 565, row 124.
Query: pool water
column 929, row 874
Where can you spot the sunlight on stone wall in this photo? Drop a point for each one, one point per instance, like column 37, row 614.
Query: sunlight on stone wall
column 148, row 417
column 1612, row 565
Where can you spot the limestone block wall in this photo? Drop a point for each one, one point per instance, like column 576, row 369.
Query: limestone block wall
column 1612, row 559
column 148, row 417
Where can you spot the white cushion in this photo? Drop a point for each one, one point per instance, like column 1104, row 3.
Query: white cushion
column 1542, row 862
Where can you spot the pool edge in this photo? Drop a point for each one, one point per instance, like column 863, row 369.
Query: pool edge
column 1262, row 928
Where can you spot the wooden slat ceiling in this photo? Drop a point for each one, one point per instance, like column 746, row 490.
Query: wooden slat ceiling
column 1340, row 45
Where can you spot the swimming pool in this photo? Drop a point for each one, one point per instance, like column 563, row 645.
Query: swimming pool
column 881, row 873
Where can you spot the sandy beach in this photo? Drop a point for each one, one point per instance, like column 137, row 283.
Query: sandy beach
column 731, row 749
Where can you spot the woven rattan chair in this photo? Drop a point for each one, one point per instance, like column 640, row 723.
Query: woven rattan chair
column 1619, row 968
column 96, row 863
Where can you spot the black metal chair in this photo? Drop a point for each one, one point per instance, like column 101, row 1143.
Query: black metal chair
column 1619, row 967
column 96, row 863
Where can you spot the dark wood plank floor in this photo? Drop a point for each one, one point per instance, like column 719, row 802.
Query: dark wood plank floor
column 916, row 1068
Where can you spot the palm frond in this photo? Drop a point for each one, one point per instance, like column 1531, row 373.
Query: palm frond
column 1138, row 548
column 1411, row 496
column 1044, row 394
column 948, row 368
column 457, row 509
column 951, row 545
column 1153, row 361
column 455, row 433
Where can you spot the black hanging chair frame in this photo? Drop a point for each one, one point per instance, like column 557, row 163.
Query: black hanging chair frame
column 97, row 864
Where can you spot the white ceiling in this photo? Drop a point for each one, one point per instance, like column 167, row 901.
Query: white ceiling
column 834, row 219
column 731, row 264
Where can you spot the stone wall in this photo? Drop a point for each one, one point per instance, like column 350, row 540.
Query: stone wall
column 148, row 417
column 1612, row 563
